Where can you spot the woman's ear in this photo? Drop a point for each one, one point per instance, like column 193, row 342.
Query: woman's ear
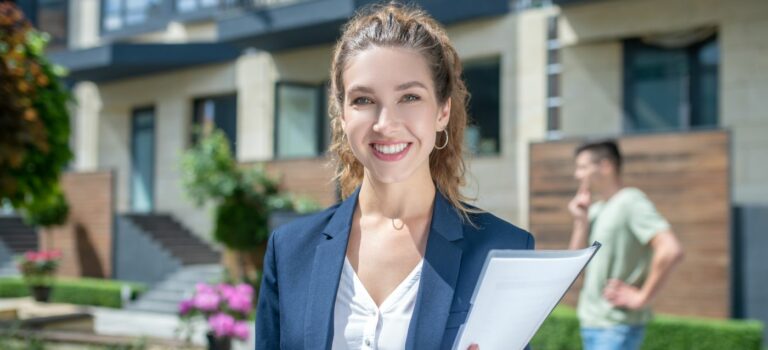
column 444, row 114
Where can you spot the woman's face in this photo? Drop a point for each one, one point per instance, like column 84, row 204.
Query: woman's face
column 391, row 115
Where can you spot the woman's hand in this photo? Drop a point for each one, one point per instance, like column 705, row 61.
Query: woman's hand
column 473, row 347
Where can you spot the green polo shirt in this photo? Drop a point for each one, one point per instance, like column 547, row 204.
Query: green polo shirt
column 624, row 225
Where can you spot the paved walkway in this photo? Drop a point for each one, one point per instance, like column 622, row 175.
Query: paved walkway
column 156, row 325
column 127, row 323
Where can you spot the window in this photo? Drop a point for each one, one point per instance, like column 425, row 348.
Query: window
column 221, row 113
column 300, row 121
column 119, row 14
column 186, row 6
column 483, row 82
column 52, row 19
column 142, row 196
column 670, row 88
column 554, row 90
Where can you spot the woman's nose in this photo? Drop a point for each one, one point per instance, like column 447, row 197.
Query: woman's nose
column 386, row 120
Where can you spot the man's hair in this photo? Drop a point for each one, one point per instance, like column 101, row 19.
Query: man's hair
column 606, row 149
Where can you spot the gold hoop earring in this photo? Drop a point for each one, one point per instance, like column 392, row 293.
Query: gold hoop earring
column 446, row 140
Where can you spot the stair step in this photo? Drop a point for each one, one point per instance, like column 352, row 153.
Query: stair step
column 165, row 296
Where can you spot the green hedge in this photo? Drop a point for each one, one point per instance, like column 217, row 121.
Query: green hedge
column 561, row 332
column 81, row 291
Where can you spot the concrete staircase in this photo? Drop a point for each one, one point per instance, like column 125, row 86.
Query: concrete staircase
column 193, row 260
column 176, row 239
column 165, row 296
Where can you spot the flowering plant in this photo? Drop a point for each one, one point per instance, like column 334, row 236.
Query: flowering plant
column 38, row 267
column 225, row 307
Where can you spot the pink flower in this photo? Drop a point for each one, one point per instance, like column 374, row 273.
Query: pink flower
column 30, row 256
column 226, row 290
column 203, row 288
column 185, row 306
column 207, row 301
column 245, row 289
column 222, row 325
column 241, row 330
column 240, row 302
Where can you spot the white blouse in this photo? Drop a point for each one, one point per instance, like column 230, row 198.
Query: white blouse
column 359, row 325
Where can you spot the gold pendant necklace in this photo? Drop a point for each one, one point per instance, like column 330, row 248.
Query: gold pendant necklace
column 394, row 225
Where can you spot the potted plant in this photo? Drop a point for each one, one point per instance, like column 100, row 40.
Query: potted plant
column 226, row 309
column 38, row 268
column 245, row 197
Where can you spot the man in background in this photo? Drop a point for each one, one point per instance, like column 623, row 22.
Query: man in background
column 639, row 250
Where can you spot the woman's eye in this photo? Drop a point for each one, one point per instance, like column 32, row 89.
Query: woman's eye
column 362, row 101
column 410, row 98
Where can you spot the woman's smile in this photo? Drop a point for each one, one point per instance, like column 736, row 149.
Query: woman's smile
column 390, row 151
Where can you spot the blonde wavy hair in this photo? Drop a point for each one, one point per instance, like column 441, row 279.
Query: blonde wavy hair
column 396, row 25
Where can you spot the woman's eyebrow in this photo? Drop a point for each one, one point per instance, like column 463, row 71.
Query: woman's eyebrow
column 360, row 88
column 410, row 84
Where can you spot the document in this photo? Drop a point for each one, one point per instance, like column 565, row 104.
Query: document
column 515, row 293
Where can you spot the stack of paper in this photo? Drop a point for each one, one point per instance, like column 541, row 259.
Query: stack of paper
column 515, row 293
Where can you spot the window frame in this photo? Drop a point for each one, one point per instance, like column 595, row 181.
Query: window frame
column 692, row 104
column 320, row 115
column 468, row 62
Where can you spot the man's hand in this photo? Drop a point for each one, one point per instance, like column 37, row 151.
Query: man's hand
column 579, row 205
column 624, row 295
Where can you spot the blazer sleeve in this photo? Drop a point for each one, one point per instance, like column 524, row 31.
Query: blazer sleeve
column 268, row 309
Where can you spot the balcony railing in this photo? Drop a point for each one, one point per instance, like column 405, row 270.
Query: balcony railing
column 121, row 15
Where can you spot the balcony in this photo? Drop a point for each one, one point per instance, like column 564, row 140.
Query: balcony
column 124, row 18
column 278, row 24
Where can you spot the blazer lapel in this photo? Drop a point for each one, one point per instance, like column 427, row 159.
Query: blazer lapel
column 440, row 271
column 324, row 279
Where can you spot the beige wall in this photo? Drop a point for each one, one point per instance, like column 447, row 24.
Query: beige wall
column 591, row 89
column 592, row 71
column 257, row 74
column 500, row 182
column 171, row 94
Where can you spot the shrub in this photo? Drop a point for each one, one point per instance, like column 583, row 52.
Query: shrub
column 81, row 291
column 561, row 332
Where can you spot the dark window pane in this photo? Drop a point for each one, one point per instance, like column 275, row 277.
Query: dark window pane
column 657, row 87
column 705, row 86
column 553, row 85
column 483, row 82
column 671, row 88
column 221, row 113
column 552, row 27
column 553, row 56
column 553, row 118
column 52, row 19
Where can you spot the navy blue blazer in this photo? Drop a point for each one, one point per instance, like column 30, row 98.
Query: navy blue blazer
column 303, row 264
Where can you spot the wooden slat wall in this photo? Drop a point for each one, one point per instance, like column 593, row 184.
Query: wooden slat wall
column 687, row 176
column 306, row 177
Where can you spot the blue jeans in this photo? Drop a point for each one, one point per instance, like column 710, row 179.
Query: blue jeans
column 613, row 338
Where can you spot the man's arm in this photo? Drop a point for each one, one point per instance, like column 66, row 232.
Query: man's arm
column 579, row 234
column 579, row 209
column 667, row 253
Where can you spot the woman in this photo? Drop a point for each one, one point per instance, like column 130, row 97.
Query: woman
column 395, row 264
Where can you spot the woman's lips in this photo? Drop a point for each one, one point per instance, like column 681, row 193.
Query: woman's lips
column 391, row 151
